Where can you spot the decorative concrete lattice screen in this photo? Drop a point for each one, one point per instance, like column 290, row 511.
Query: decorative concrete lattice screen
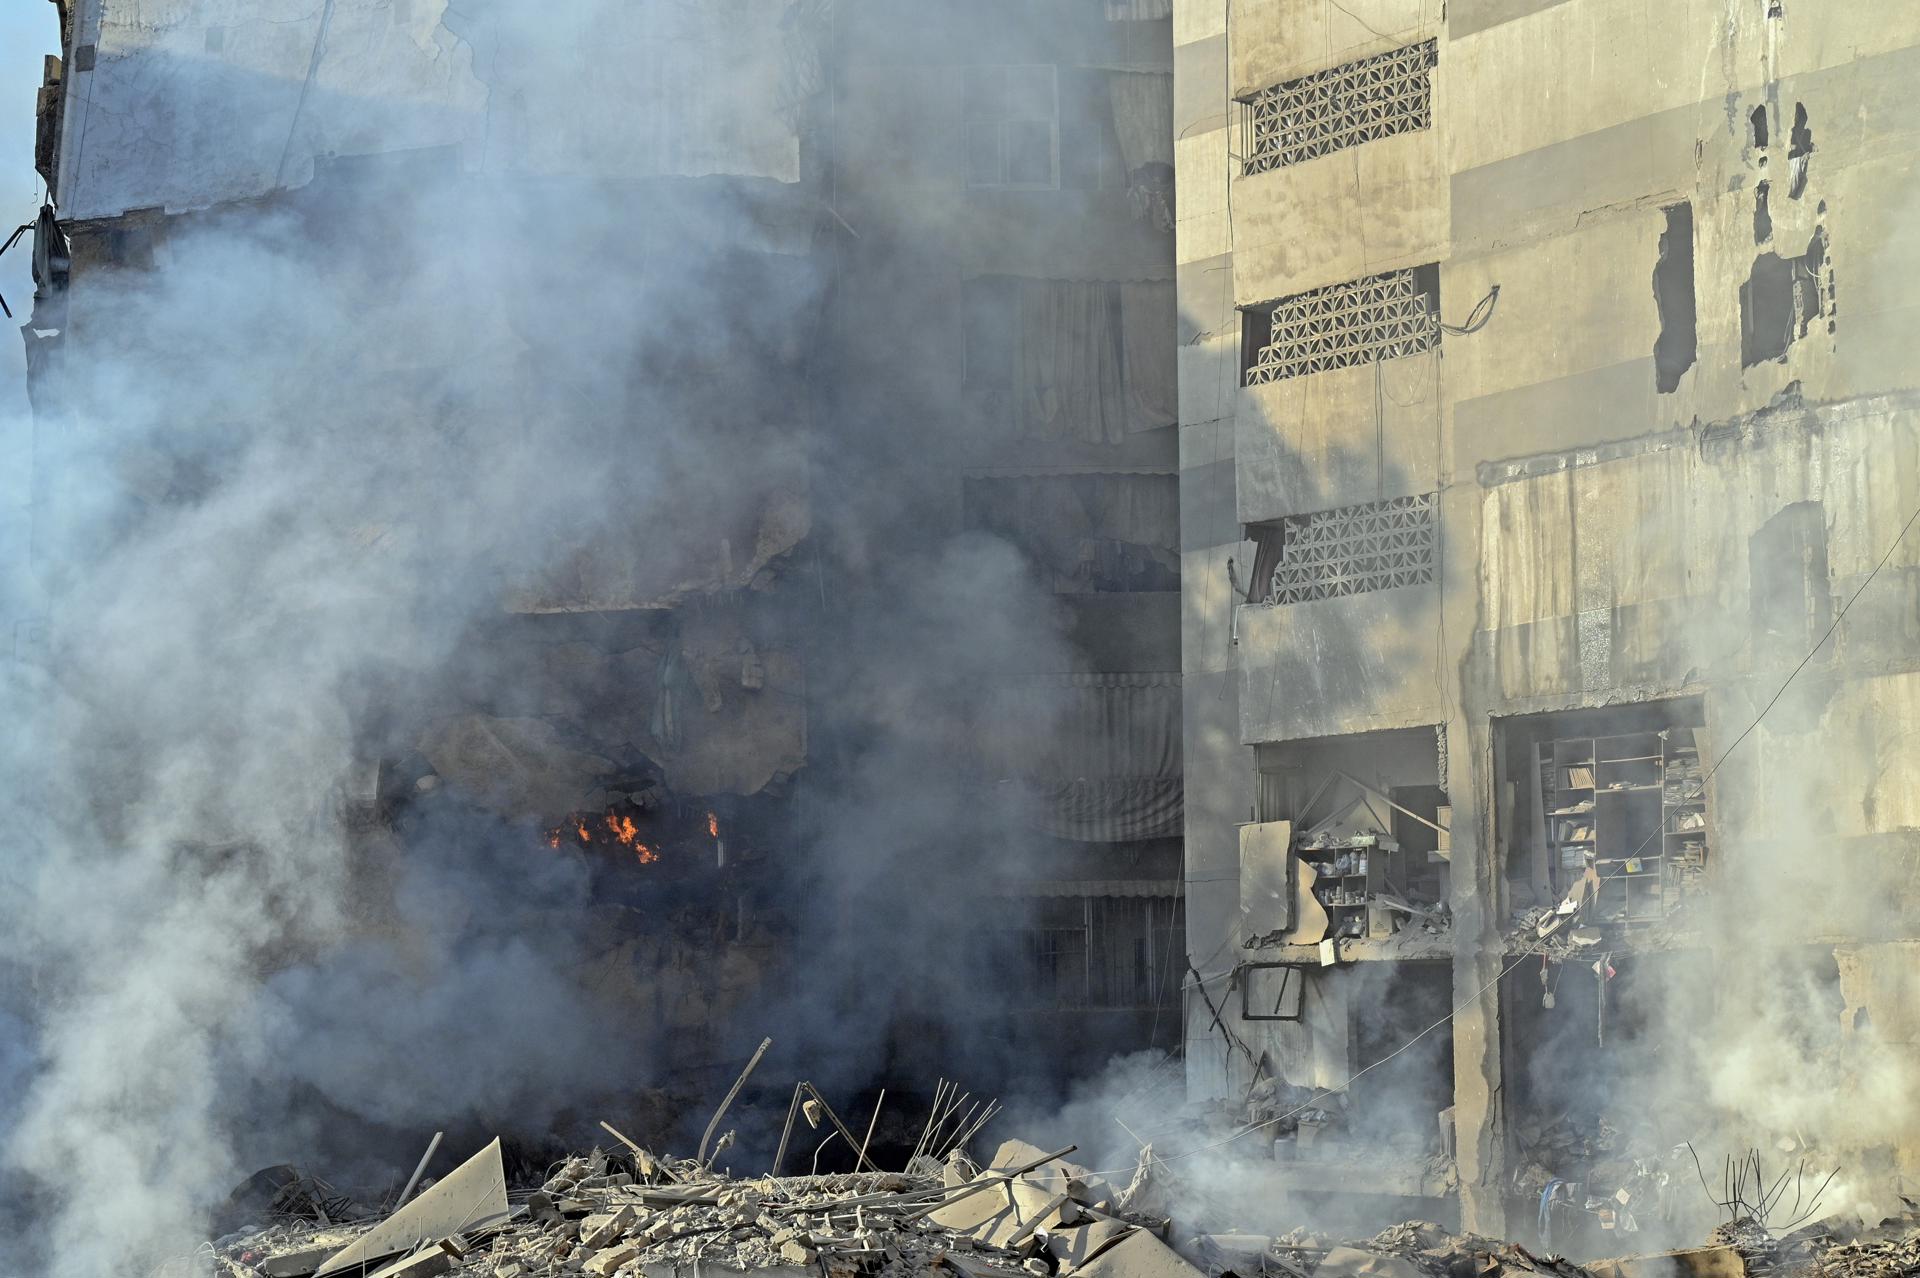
column 1378, row 317
column 1340, row 107
column 1355, row 549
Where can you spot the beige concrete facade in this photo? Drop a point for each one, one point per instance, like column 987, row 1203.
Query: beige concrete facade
column 1602, row 541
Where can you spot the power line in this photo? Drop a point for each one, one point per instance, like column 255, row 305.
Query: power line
column 1502, row 973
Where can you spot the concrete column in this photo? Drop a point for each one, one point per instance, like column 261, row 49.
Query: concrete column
column 1475, row 875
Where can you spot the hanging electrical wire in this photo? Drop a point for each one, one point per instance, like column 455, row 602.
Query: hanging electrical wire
column 1477, row 317
column 13, row 239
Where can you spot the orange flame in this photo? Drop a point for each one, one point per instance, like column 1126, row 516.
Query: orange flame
column 646, row 854
column 623, row 829
column 580, row 827
column 553, row 840
column 713, row 825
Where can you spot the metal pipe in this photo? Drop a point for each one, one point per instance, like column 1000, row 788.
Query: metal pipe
column 414, row 1179
column 706, row 1137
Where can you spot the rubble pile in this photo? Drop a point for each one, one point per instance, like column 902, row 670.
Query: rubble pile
column 1026, row 1214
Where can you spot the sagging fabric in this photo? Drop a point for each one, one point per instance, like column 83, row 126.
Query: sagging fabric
column 1095, row 359
column 1143, row 123
column 1092, row 757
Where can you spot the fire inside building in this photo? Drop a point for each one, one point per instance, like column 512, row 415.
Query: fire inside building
column 1324, row 588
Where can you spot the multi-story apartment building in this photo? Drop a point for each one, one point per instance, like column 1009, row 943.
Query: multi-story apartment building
column 1545, row 397
column 1004, row 174
column 779, row 323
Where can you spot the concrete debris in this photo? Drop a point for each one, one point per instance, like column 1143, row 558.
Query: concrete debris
column 471, row 1197
column 1025, row 1215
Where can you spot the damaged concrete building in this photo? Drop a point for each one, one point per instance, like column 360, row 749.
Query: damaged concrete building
column 958, row 218
column 1425, row 481
column 1546, row 394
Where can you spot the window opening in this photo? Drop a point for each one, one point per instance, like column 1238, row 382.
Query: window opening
column 1012, row 126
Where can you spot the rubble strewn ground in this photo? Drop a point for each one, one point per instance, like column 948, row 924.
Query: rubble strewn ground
column 1027, row 1213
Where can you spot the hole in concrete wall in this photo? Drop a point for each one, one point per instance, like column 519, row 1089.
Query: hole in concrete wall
column 1781, row 298
column 1363, row 810
column 1792, row 589
column 1762, row 218
column 1618, row 791
column 1759, row 122
column 1675, row 348
column 1799, row 147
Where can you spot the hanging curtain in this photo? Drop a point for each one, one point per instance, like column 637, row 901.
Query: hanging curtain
column 1152, row 351
column 1143, row 122
column 1068, row 375
column 1095, row 361
column 1092, row 757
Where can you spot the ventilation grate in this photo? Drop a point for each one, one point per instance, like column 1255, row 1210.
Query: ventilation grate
column 1340, row 107
column 1356, row 549
column 1359, row 322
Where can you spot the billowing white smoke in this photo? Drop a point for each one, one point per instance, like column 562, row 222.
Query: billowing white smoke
column 298, row 461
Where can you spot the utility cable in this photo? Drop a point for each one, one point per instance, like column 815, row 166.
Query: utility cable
column 1477, row 317
column 1530, row 953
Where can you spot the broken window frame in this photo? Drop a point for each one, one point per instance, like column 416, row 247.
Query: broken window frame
column 1297, row 984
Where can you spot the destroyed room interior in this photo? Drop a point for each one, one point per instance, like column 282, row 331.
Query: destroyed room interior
column 961, row 639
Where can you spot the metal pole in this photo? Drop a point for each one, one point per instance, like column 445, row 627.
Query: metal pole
column 707, row 1137
column 414, row 1179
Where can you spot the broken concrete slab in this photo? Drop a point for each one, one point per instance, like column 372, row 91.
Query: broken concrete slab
column 1000, row 1215
column 1691, row 1262
column 1076, row 1245
column 599, row 1230
column 1059, row 1176
column 471, row 1196
column 1351, row 1262
column 1138, row 1255
column 603, row 1263
column 297, row 1264
column 422, row 1264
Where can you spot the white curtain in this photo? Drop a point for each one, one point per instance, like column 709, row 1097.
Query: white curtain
column 1095, row 360
column 1143, row 122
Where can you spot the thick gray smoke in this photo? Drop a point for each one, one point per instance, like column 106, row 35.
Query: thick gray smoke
column 301, row 458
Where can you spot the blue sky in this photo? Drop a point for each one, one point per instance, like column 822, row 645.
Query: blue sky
column 29, row 30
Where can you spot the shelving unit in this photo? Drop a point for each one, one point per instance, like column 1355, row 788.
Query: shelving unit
column 1633, row 807
column 1350, row 871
